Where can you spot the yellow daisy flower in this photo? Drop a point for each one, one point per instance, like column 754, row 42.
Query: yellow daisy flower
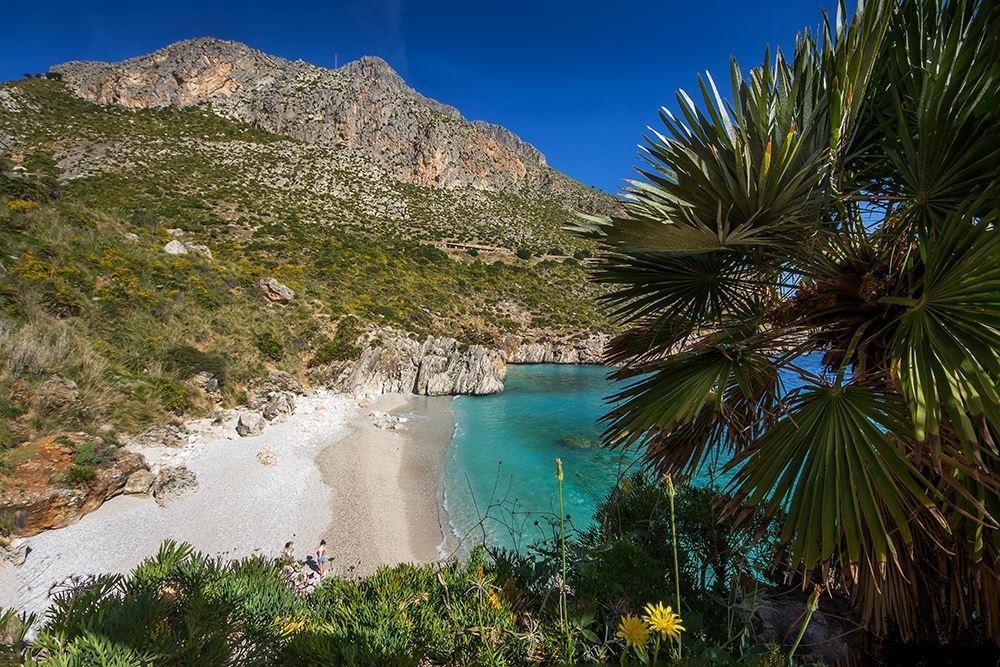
column 663, row 620
column 633, row 631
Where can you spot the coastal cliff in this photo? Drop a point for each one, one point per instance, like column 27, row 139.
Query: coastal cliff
column 395, row 362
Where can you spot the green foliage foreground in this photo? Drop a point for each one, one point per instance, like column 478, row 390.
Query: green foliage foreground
column 843, row 203
column 183, row 608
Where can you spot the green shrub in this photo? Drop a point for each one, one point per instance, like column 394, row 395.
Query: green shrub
column 523, row 253
column 185, row 361
column 342, row 347
column 581, row 254
column 472, row 252
column 556, row 250
column 173, row 396
column 269, row 346
column 78, row 475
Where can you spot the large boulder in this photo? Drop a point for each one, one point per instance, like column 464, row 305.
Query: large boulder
column 279, row 404
column 172, row 482
column 175, row 247
column 250, row 423
column 45, row 490
column 139, row 483
column 275, row 291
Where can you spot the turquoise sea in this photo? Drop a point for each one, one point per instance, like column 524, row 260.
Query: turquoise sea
column 499, row 474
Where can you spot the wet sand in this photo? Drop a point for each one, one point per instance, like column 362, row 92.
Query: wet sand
column 386, row 485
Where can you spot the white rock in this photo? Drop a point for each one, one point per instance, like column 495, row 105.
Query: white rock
column 250, row 423
column 175, row 247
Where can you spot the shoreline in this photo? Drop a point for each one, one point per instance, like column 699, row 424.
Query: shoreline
column 373, row 493
column 386, row 485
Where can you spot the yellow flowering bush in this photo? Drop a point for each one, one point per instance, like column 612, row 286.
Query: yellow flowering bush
column 21, row 205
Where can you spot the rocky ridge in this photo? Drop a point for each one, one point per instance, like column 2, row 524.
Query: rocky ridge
column 394, row 362
column 363, row 108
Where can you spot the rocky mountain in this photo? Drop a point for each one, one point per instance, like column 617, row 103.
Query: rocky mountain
column 363, row 108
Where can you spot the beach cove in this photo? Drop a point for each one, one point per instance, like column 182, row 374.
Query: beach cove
column 326, row 471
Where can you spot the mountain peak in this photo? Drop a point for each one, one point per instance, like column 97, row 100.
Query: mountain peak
column 364, row 107
column 372, row 67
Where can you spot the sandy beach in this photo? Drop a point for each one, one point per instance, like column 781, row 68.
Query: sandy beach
column 372, row 492
column 385, row 483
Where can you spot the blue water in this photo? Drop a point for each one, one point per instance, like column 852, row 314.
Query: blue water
column 501, row 461
column 499, row 477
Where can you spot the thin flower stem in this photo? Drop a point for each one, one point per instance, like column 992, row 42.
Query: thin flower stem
column 811, row 606
column 677, row 570
column 563, row 607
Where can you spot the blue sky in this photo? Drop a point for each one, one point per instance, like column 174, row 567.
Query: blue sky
column 579, row 80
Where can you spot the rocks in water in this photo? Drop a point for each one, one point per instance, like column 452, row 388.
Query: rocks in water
column 280, row 404
column 175, row 247
column 275, row 291
column 49, row 490
column 139, row 483
column 434, row 367
column 250, row 423
column 172, row 482
column 564, row 350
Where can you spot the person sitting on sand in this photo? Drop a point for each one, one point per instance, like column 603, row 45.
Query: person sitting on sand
column 321, row 557
column 288, row 553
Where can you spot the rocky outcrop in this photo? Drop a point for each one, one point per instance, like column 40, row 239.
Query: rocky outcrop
column 172, row 482
column 41, row 492
column 364, row 108
column 398, row 363
column 250, row 423
column 275, row 291
column 563, row 350
column 394, row 362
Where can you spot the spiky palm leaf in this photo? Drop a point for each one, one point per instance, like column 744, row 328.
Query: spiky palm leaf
column 844, row 202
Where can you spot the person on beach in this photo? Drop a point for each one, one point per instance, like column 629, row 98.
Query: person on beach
column 288, row 553
column 321, row 557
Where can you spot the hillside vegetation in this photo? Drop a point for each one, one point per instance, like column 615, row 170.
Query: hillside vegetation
column 89, row 197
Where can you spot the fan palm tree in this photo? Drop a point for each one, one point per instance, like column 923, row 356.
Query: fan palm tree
column 842, row 204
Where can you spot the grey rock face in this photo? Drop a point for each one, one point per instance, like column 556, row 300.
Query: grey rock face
column 587, row 350
column 363, row 107
column 250, row 423
column 433, row 367
column 275, row 291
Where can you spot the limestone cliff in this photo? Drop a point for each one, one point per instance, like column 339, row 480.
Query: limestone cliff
column 363, row 108
column 394, row 362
